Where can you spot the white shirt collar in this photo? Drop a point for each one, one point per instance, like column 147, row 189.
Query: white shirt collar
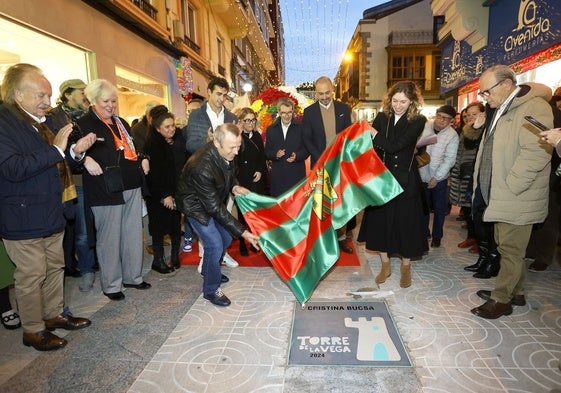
column 215, row 119
column 37, row 119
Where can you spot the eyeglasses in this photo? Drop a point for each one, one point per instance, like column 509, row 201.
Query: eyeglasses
column 487, row 93
column 250, row 121
column 441, row 117
column 286, row 113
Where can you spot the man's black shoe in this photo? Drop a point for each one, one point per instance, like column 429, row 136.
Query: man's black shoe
column 217, row 298
column 115, row 295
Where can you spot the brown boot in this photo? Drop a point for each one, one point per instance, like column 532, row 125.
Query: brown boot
column 405, row 280
column 384, row 273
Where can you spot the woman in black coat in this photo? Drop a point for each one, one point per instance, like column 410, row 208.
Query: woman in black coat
column 397, row 227
column 252, row 164
column 167, row 156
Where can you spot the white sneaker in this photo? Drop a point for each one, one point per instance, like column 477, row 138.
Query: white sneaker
column 187, row 244
column 200, row 267
column 229, row 261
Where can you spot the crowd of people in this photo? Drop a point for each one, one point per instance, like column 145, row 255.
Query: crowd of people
column 72, row 202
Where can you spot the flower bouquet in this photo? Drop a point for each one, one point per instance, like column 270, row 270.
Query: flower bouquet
column 265, row 104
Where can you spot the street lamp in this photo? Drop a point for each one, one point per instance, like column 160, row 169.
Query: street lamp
column 247, row 87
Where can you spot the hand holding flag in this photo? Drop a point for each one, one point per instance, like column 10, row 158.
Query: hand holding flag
column 297, row 229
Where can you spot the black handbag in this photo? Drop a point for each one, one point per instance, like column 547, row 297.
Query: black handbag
column 466, row 170
column 113, row 179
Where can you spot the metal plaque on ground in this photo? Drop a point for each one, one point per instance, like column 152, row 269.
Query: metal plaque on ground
column 346, row 334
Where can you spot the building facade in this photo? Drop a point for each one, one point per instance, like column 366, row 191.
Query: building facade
column 524, row 34
column 138, row 45
column 394, row 41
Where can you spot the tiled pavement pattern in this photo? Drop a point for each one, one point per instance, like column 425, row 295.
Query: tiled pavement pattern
column 169, row 339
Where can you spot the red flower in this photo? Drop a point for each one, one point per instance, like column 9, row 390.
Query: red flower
column 272, row 95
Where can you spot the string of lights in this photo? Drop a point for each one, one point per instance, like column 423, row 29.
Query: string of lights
column 316, row 35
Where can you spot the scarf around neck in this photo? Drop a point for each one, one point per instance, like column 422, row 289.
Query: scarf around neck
column 68, row 187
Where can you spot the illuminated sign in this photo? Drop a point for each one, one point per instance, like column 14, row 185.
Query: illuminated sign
column 517, row 30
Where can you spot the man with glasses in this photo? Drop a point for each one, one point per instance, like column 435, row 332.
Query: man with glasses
column 511, row 179
column 285, row 148
column 322, row 121
column 435, row 174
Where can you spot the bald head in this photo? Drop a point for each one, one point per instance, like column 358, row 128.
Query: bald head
column 324, row 90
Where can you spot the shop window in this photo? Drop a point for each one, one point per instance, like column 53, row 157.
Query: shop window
column 135, row 91
column 59, row 60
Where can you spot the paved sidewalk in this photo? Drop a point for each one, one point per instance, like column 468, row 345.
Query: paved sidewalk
column 169, row 339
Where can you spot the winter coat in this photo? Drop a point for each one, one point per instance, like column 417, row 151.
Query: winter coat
column 30, row 184
column 251, row 159
column 284, row 174
column 520, row 163
column 462, row 179
column 442, row 154
column 204, row 186
column 196, row 130
column 314, row 131
column 105, row 154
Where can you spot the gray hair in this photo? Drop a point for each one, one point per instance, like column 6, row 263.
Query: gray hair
column 220, row 132
column 97, row 87
column 284, row 101
column 502, row 72
column 14, row 78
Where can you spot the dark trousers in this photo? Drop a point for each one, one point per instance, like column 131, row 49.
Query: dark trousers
column 438, row 202
column 484, row 232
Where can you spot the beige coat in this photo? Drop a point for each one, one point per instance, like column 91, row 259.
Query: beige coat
column 521, row 164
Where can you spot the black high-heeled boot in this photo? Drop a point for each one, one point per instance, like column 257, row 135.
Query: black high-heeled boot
column 491, row 268
column 160, row 265
column 483, row 257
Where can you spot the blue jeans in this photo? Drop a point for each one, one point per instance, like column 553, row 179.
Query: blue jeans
column 187, row 230
column 85, row 254
column 215, row 239
column 437, row 201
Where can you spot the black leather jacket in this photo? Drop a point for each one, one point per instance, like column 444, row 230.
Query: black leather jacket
column 203, row 188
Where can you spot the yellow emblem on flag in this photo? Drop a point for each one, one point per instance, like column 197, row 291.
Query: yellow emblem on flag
column 323, row 194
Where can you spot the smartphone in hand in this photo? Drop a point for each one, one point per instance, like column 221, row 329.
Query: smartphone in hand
column 536, row 123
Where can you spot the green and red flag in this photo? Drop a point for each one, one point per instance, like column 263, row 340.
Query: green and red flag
column 297, row 229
